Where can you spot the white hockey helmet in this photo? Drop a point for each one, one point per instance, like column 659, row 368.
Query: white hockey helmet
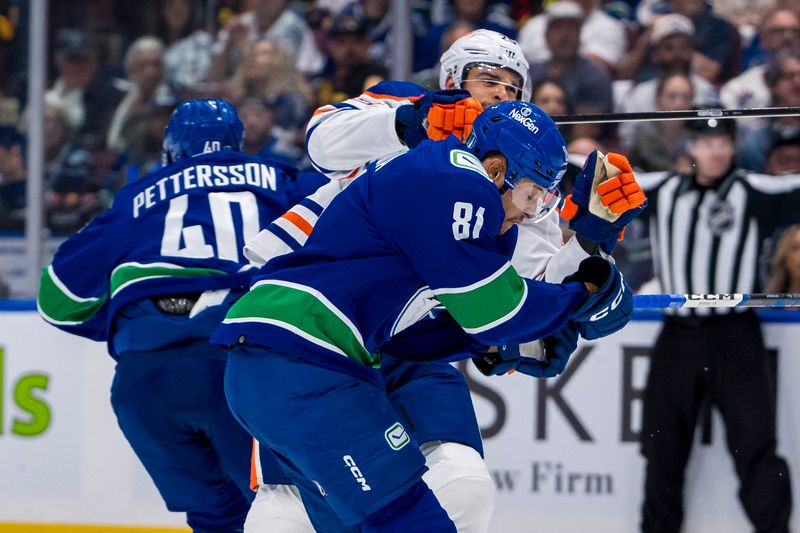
column 484, row 47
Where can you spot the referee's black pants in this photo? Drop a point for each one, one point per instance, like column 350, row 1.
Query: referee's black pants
column 723, row 357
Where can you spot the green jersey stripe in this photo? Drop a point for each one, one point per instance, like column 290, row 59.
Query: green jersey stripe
column 129, row 273
column 478, row 284
column 58, row 305
column 487, row 303
column 305, row 312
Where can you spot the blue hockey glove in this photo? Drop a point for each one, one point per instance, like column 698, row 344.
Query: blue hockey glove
column 609, row 308
column 541, row 359
column 437, row 115
column 604, row 200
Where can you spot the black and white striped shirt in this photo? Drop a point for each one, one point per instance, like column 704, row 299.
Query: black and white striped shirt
column 710, row 240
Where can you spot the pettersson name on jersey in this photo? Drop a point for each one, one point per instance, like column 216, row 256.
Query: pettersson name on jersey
column 204, row 176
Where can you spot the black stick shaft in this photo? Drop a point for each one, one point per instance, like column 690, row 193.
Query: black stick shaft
column 601, row 118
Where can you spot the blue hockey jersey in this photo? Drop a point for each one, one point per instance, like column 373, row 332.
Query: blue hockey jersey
column 178, row 230
column 416, row 227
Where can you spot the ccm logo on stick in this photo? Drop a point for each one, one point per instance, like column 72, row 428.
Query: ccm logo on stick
column 350, row 462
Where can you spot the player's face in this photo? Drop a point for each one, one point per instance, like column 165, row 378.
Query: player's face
column 490, row 84
column 526, row 200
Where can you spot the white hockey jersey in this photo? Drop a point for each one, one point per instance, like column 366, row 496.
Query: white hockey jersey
column 342, row 138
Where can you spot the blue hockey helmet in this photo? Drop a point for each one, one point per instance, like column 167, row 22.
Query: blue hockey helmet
column 532, row 145
column 201, row 126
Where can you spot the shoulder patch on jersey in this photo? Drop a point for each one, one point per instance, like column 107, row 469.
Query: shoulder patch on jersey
column 462, row 159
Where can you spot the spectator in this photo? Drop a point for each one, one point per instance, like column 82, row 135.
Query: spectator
column 715, row 56
column 603, row 38
column 783, row 156
column 353, row 70
column 671, row 38
column 79, row 179
column 144, row 66
column 783, row 80
column 78, row 192
column 10, row 105
column 57, row 137
column 89, row 99
column 779, row 31
column 474, row 12
column 187, row 57
column 143, row 154
column 257, row 115
column 659, row 145
column 272, row 19
column 313, row 58
column 12, row 179
column 785, row 272
column 267, row 72
column 378, row 18
column 717, row 44
column 551, row 95
column 588, row 84
column 429, row 78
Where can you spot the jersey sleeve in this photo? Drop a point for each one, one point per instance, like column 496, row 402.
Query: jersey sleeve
column 74, row 289
column 290, row 231
column 450, row 241
column 342, row 138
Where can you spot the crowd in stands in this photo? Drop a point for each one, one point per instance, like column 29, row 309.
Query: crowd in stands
column 117, row 69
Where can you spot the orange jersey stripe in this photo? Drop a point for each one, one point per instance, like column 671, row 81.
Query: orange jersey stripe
column 322, row 110
column 351, row 175
column 301, row 223
column 254, row 467
column 392, row 97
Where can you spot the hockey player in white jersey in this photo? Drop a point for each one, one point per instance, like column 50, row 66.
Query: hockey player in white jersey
column 393, row 117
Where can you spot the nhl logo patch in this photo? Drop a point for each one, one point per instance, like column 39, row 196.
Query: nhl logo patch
column 720, row 217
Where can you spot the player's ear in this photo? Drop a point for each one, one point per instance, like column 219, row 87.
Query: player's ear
column 449, row 83
column 495, row 165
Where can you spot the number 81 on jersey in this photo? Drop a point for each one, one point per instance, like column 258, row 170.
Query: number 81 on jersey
column 463, row 226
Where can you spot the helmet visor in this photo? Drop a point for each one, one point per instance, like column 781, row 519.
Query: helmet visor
column 533, row 200
column 493, row 76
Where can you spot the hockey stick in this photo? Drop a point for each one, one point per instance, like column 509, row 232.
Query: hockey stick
column 678, row 301
column 601, row 118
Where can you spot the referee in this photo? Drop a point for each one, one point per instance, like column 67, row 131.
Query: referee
column 708, row 231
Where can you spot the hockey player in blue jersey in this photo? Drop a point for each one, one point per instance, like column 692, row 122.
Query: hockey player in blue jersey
column 152, row 277
column 421, row 226
column 432, row 397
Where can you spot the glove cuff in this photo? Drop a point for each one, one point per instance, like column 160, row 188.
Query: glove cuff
column 406, row 125
column 594, row 270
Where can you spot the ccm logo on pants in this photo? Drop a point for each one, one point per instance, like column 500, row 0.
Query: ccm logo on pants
column 350, row 462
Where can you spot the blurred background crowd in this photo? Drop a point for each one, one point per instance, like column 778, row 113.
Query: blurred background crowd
column 117, row 69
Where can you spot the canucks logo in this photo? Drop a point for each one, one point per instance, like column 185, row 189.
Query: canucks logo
column 466, row 160
column 396, row 436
